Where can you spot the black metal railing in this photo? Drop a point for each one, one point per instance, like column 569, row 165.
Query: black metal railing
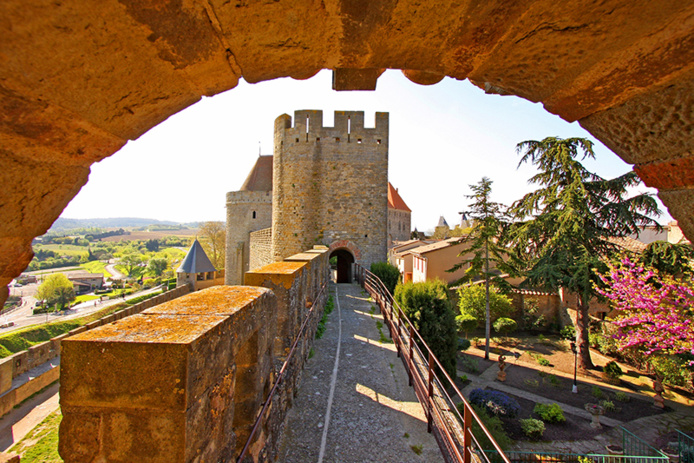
column 431, row 383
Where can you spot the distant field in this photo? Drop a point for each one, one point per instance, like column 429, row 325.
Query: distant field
column 152, row 235
column 63, row 249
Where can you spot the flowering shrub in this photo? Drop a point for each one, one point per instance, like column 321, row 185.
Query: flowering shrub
column 497, row 403
column 656, row 312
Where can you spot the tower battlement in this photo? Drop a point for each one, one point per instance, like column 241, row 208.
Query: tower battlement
column 348, row 127
column 235, row 197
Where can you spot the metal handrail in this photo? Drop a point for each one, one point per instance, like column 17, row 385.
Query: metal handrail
column 280, row 375
column 431, row 389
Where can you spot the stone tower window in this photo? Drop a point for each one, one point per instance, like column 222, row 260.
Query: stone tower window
column 254, row 214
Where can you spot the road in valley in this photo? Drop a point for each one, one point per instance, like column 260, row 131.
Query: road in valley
column 24, row 316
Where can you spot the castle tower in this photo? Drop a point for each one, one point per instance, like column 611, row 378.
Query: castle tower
column 248, row 210
column 399, row 217
column 330, row 185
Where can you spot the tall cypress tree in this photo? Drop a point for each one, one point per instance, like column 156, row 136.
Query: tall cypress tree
column 562, row 229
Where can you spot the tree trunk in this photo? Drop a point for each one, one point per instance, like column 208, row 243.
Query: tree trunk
column 582, row 330
column 487, row 319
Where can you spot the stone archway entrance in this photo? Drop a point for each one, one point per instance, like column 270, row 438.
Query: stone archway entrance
column 345, row 260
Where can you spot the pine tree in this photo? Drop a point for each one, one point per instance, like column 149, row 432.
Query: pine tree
column 563, row 228
column 483, row 243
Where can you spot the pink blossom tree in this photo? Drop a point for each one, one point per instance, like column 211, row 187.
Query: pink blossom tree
column 656, row 312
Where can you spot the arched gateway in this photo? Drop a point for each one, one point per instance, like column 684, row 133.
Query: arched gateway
column 345, row 262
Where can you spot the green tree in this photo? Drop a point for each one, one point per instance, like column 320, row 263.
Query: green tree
column 670, row 258
column 133, row 264
column 504, row 326
column 213, row 236
column 389, row 274
column 472, row 300
column 465, row 322
column 157, row 266
column 483, row 245
column 428, row 307
column 562, row 228
column 56, row 290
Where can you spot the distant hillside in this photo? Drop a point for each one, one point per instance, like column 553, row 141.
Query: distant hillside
column 117, row 222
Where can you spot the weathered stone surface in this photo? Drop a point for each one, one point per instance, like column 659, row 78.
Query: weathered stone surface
column 79, row 79
column 288, row 281
column 654, row 126
column 680, row 200
column 180, row 382
column 668, row 175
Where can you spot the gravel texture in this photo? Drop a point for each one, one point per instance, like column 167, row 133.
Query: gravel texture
column 374, row 414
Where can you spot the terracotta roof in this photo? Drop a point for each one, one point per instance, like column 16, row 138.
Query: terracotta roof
column 196, row 261
column 395, row 201
column 434, row 246
column 260, row 177
column 84, row 275
column 630, row 244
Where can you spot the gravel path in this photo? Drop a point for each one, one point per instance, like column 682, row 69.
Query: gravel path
column 356, row 406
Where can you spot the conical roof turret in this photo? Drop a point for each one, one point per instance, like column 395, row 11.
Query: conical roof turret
column 196, row 261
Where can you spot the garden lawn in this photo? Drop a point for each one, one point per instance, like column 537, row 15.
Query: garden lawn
column 85, row 298
column 574, row 428
column 558, row 389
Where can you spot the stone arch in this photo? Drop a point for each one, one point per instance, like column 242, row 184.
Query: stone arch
column 73, row 90
column 345, row 264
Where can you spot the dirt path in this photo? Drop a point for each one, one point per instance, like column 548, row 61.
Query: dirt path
column 354, row 403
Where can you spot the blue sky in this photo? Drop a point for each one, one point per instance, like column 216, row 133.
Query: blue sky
column 442, row 139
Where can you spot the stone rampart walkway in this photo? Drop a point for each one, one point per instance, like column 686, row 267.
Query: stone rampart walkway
column 354, row 403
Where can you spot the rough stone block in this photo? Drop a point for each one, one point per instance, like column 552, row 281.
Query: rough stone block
column 5, row 374
column 161, row 386
column 287, row 280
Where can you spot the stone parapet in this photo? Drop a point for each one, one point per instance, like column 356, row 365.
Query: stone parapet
column 185, row 380
column 180, row 382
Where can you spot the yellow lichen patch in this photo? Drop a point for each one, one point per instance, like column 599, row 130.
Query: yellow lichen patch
column 285, row 268
column 303, row 256
column 277, row 273
column 153, row 328
column 217, row 300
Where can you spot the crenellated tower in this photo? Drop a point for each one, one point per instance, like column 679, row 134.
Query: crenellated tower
column 330, row 185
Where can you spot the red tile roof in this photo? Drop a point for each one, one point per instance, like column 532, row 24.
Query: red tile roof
column 260, row 177
column 395, row 201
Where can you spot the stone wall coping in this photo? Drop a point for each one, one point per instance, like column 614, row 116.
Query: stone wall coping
column 217, row 300
column 303, row 256
column 279, row 268
column 152, row 329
